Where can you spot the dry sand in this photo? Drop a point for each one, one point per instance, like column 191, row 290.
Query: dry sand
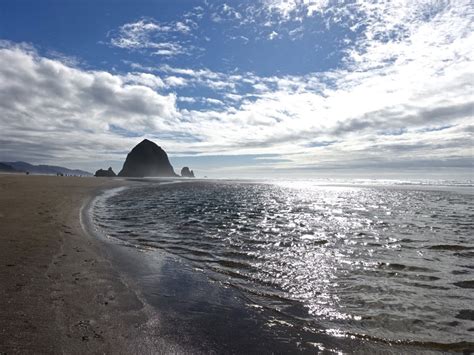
column 58, row 291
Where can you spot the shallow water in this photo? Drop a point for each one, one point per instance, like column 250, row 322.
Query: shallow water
column 389, row 264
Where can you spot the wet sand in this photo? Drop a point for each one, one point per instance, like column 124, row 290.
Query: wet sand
column 58, row 291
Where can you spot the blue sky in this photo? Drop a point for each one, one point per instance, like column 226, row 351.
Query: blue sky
column 241, row 88
column 212, row 36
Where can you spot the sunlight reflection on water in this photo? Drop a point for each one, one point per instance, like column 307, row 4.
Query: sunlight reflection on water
column 373, row 261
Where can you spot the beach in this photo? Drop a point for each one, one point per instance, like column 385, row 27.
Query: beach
column 58, row 291
column 89, row 267
column 65, row 289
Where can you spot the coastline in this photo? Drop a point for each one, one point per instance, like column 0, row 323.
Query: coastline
column 187, row 311
column 59, row 292
column 66, row 288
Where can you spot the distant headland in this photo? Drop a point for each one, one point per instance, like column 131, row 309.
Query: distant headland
column 23, row 167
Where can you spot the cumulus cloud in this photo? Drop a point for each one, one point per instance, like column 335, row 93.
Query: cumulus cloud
column 45, row 102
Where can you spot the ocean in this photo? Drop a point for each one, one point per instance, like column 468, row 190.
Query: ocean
column 309, row 265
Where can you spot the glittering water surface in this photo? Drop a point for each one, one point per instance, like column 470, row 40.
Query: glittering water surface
column 378, row 262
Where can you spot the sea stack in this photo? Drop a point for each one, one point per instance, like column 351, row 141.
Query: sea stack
column 185, row 172
column 105, row 173
column 147, row 159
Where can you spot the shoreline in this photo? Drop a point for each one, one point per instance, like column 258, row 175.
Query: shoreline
column 59, row 291
column 66, row 288
column 181, row 301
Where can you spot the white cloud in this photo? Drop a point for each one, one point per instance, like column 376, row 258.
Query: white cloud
column 145, row 79
column 276, row 12
column 68, row 111
column 315, row 6
column 187, row 99
column 212, row 101
column 148, row 34
column 282, row 7
column 224, row 12
column 173, row 81
column 167, row 49
column 200, row 77
column 272, row 35
column 182, row 27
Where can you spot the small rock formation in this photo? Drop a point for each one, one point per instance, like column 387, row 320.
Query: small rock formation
column 185, row 172
column 147, row 159
column 105, row 173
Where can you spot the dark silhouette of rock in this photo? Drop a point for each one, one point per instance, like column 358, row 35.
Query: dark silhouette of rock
column 185, row 172
column 147, row 159
column 105, row 173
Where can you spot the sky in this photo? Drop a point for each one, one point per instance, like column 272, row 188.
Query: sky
column 261, row 88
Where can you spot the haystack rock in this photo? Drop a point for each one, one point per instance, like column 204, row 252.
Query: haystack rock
column 105, row 173
column 147, row 159
column 185, row 172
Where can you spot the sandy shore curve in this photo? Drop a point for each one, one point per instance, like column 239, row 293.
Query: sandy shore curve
column 59, row 293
